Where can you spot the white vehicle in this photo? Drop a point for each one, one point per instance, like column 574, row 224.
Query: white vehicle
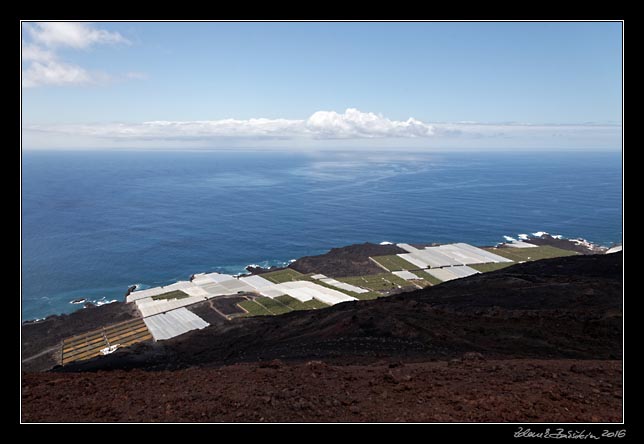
column 110, row 349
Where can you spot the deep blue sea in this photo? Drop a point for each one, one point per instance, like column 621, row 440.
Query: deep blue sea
column 94, row 223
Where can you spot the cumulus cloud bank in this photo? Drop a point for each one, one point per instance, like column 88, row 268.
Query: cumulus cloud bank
column 322, row 129
column 44, row 67
column 355, row 124
column 71, row 34
column 352, row 124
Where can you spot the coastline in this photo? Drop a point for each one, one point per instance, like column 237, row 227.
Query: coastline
column 551, row 326
column 579, row 245
column 353, row 260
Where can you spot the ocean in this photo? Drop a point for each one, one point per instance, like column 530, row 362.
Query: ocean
column 96, row 222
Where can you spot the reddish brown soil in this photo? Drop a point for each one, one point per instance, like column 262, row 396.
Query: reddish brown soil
column 468, row 390
column 550, row 332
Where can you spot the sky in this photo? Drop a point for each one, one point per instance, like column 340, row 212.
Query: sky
column 322, row 85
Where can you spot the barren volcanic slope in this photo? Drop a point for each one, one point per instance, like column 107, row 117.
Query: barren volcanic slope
column 558, row 314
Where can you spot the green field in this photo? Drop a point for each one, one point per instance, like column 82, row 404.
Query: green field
column 254, row 309
column 375, row 282
column 315, row 304
column 291, row 302
column 283, row 304
column 286, row 275
column 177, row 294
column 427, row 277
column 530, row 254
column 484, row 268
column 272, row 305
column 294, row 304
column 365, row 296
column 394, row 263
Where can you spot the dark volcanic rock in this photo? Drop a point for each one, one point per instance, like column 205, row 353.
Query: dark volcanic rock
column 352, row 260
column 557, row 308
column 252, row 269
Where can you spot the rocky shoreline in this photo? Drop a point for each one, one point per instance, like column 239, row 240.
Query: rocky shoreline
column 41, row 335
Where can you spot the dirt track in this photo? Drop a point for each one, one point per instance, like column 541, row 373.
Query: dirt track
column 464, row 391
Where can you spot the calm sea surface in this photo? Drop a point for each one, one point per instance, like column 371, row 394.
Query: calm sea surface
column 94, row 223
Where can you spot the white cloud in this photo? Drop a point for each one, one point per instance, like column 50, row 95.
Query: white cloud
column 42, row 66
column 352, row 128
column 33, row 53
column 357, row 124
column 54, row 73
column 352, row 124
column 72, row 34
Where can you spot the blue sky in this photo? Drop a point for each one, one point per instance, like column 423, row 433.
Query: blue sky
column 318, row 85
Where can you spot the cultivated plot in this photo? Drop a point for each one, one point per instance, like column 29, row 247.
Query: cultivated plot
column 448, row 255
column 433, row 280
column 484, row 268
column 173, row 323
column 151, row 307
column 256, row 281
column 273, row 306
column 394, row 263
column 443, row 274
column 343, row 285
column 252, row 308
column 89, row 345
column 306, row 290
column 285, row 275
column 406, row 275
column 531, row 254
column 376, row 282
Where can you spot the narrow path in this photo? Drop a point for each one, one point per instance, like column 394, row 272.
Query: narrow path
column 219, row 312
column 379, row 264
column 44, row 352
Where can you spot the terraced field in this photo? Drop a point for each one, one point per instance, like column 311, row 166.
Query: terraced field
column 89, row 345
